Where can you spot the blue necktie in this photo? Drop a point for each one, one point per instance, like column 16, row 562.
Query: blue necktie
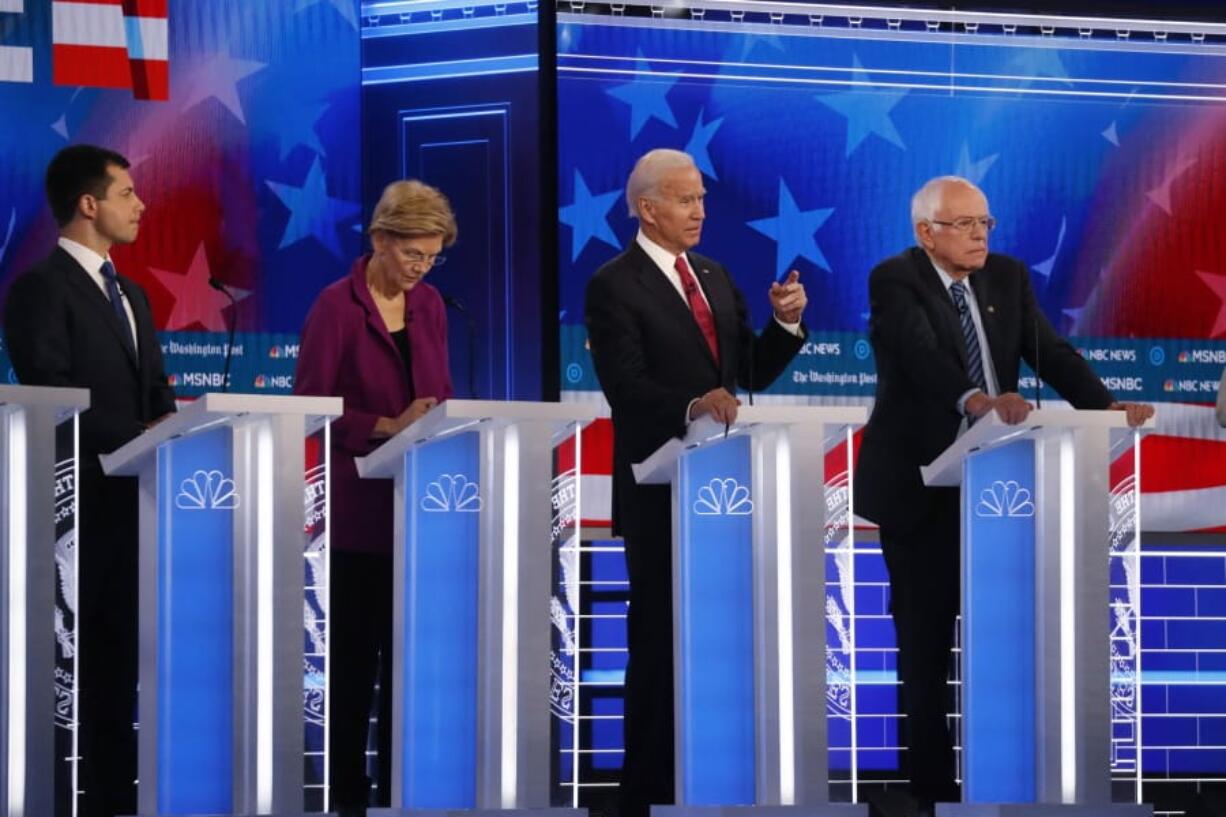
column 112, row 291
column 974, row 357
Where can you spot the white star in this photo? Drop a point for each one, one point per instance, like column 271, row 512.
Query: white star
column 218, row 79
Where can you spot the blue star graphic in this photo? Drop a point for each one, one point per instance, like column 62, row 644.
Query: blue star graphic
column 699, row 140
column 974, row 170
column 1044, row 267
column 646, row 97
column 793, row 229
column 587, row 217
column 296, row 126
column 312, row 211
column 345, row 8
column 867, row 111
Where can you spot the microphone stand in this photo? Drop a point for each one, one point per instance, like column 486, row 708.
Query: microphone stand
column 455, row 304
column 220, row 287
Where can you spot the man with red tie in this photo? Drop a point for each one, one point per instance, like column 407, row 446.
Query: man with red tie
column 670, row 338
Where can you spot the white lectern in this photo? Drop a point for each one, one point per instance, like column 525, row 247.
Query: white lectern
column 472, row 603
column 748, row 609
column 28, row 419
column 222, row 519
column 1036, row 690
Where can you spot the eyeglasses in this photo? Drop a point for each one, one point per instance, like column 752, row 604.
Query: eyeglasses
column 968, row 223
column 414, row 257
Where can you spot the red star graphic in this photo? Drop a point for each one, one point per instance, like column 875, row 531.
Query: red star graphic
column 195, row 301
column 1218, row 284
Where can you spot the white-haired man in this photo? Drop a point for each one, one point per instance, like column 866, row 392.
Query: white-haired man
column 950, row 324
column 670, row 338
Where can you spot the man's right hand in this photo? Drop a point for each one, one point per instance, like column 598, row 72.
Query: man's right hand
column 1011, row 407
column 717, row 403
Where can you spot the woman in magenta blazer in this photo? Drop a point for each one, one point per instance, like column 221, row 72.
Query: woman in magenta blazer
column 377, row 338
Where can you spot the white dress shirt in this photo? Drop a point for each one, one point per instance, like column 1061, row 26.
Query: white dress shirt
column 92, row 263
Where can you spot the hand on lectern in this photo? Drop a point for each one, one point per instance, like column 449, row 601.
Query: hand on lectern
column 1011, row 407
column 1137, row 413
column 719, row 403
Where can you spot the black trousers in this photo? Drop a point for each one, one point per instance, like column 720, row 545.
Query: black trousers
column 647, row 765
column 923, row 563
column 107, row 643
column 360, row 649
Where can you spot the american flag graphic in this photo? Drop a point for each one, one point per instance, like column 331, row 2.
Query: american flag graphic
column 112, row 44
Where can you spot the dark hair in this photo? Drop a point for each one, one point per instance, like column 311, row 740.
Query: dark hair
column 75, row 171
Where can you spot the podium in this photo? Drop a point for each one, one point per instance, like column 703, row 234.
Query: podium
column 748, row 609
column 470, row 712
column 28, row 419
column 222, row 518
column 1036, row 719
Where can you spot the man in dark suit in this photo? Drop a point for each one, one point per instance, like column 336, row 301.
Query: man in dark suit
column 950, row 324
column 670, row 338
column 72, row 321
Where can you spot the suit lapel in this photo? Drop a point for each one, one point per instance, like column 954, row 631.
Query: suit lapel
column 661, row 291
column 85, row 285
column 945, row 305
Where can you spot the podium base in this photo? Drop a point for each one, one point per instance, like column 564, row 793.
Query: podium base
column 816, row 810
column 476, row 812
column 1042, row 810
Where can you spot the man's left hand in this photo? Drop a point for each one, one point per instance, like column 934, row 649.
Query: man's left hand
column 788, row 299
column 1137, row 413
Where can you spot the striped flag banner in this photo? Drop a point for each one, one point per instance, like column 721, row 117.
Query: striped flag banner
column 112, row 44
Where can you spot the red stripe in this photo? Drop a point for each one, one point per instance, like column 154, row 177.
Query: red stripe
column 151, row 79
column 90, row 66
column 597, row 440
column 146, row 8
column 1175, row 464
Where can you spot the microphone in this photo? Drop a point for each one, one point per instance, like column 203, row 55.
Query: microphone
column 220, row 287
column 455, row 304
column 1038, row 381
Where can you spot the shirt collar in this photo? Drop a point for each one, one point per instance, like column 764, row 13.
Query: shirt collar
column 89, row 260
column 663, row 259
column 948, row 280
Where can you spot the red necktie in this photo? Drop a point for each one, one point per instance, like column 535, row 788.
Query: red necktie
column 698, row 306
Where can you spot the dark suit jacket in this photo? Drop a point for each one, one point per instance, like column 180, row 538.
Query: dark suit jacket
column 62, row 331
column 921, row 371
column 651, row 358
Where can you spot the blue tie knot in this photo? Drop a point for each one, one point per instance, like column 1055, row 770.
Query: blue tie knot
column 108, row 271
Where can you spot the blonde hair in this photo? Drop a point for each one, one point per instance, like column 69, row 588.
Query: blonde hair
column 412, row 208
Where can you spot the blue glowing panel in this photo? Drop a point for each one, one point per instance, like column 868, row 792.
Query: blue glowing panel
column 998, row 602
column 439, row 728
column 715, row 570
column 195, row 606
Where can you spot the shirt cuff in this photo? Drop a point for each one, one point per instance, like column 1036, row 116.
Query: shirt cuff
column 688, row 407
column 792, row 329
column 962, row 400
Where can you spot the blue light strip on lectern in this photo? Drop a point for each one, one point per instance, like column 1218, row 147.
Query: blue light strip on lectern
column 715, row 569
column 999, row 707
column 195, row 743
column 439, row 727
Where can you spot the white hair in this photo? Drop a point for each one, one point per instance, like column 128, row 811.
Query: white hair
column 649, row 171
column 927, row 200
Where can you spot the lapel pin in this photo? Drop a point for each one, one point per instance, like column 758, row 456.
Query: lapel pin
column 991, row 308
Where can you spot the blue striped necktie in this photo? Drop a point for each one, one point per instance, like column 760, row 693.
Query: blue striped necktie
column 112, row 292
column 974, row 357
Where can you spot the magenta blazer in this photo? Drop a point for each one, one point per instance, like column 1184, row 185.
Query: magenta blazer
column 346, row 352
